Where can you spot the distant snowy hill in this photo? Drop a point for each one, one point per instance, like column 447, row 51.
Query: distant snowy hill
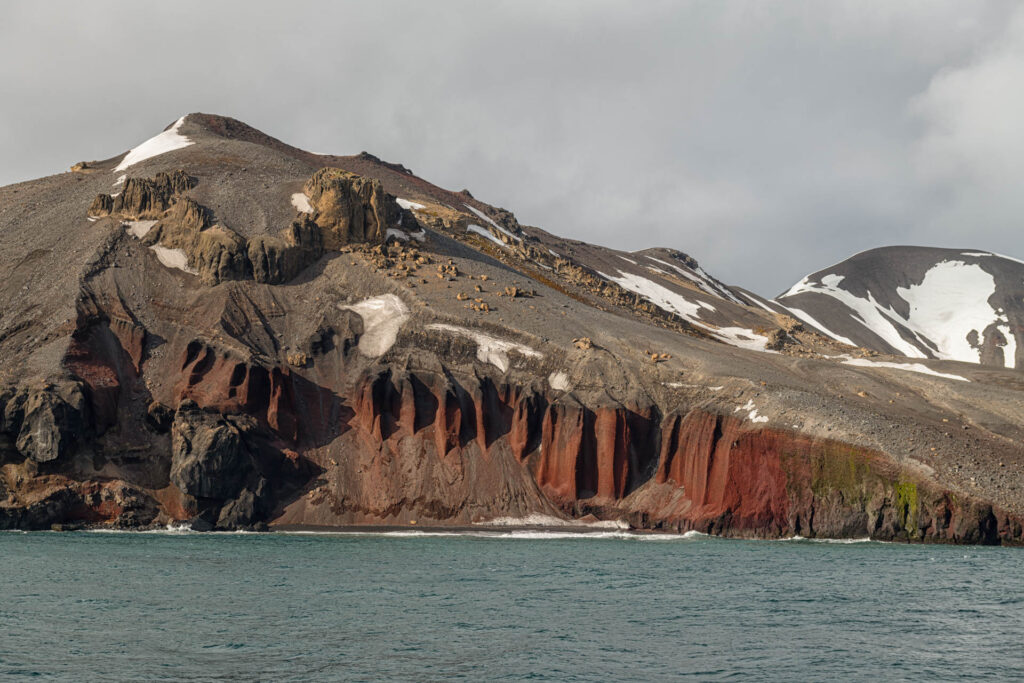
column 919, row 302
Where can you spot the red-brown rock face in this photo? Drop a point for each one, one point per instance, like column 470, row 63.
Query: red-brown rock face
column 444, row 447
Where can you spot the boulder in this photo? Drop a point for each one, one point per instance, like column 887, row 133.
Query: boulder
column 245, row 510
column 209, row 458
column 52, row 422
column 102, row 205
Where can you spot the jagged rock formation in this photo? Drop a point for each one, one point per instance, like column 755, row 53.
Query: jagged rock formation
column 249, row 335
column 350, row 208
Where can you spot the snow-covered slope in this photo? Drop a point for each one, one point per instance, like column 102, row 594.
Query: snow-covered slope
column 919, row 302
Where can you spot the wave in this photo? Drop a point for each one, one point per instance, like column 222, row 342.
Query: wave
column 169, row 530
column 516, row 534
column 842, row 541
column 537, row 519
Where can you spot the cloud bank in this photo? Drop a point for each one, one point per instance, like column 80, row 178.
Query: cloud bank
column 766, row 141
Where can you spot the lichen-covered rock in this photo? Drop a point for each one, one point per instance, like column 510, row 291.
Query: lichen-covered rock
column 102, row 205
column 219, row 254
column 52, row 422
column 179, row 227
column 350, row 208
column 143, row 198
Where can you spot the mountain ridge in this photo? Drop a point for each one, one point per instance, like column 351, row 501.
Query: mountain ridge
column 244, row 334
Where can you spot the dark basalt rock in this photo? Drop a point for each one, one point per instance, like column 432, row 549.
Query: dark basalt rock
column 52, row 422
column 159, row 417
column 245, row 510
column 208, row 456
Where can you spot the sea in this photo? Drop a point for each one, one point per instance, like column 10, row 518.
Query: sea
column 503, row 605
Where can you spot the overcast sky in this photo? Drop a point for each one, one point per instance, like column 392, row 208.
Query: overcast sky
column 767, row 140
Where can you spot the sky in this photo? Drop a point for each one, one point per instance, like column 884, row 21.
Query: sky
column 767, row 140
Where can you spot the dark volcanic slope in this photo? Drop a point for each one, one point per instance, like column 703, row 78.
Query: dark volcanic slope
column 221, row 329
column 954, row 304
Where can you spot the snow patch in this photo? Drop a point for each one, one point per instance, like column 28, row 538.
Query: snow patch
column 559, row 381
column 660, row 296
column 667, row 300
column 173, row 258
column 627, row 260
column 949, row 304
column 910, row 367
column 383, row 316
column 752, row 412
column 138, row 229
column 867, row 312
column 167, row 141
column 489, row 349
column 398, row 234
column 484, row 217
column 701, row 279
column 806, row 317
column 741, row 337
column 420, row 235
column 483, row 232
column 120, row 180
column 301, row 202
column 406, row 204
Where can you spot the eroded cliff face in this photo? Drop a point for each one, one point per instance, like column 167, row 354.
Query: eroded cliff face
column 246, row 444
column 234, row 389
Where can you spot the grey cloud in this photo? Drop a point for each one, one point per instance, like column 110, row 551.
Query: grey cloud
column 766, row 140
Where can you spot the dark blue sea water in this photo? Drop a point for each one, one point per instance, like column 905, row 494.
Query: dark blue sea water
column 108, row 606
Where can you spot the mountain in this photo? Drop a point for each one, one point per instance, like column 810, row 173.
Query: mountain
column 951, row 304
column 219, row 329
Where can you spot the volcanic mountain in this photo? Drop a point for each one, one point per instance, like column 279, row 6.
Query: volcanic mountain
column 219, row 329
column 954, row 304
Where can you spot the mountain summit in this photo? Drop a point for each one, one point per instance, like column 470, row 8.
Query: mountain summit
column 220, row 329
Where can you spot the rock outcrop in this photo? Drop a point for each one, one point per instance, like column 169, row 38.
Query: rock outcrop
column 143, row 198
column 276, row 260
column 351, row 208
column 45, row 422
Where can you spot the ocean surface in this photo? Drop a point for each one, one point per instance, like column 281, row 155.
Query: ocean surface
column 500, row 606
